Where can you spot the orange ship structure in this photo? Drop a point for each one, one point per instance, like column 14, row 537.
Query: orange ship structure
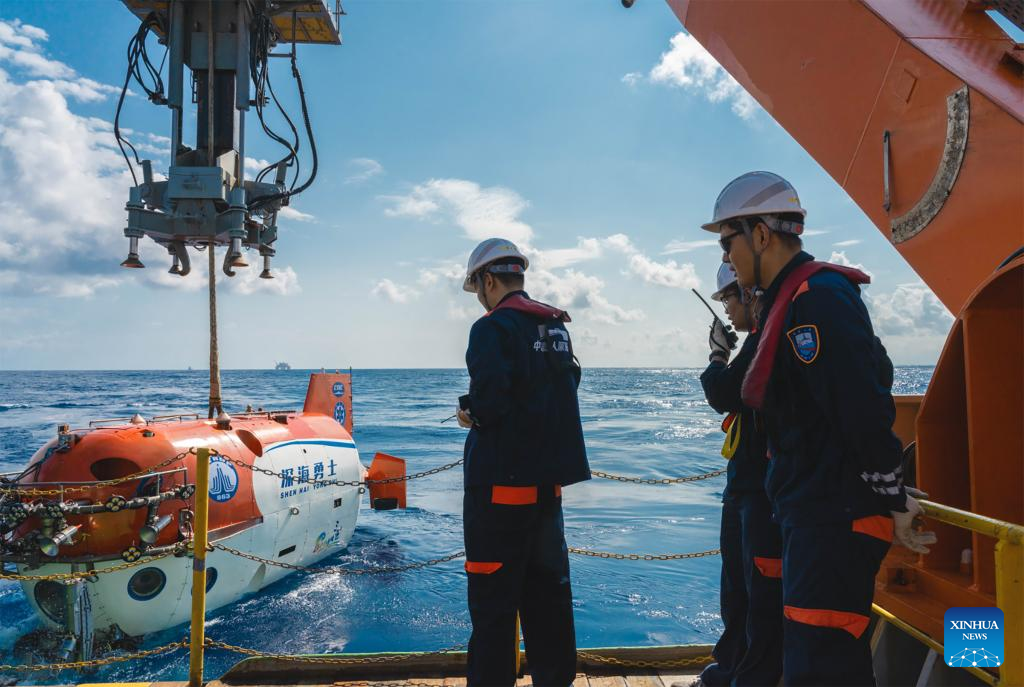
column 916, row 108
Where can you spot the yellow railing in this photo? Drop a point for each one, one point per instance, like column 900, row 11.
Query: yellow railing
column 195, row 664
column 1009, row 564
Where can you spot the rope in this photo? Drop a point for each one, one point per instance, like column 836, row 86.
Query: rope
column 215, row 402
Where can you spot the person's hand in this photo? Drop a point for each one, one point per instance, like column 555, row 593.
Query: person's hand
column 721, row 341
column 916, row 493
column 903, row 527
column 464, row 418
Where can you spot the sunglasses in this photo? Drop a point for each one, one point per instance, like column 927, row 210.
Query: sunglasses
column 726, row 241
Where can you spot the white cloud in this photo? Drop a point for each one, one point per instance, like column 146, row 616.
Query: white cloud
column 396, row 293
column 481, row 212
column 13, row 282
column 668, row 273
column 247, row 281
column 574, row 290
column 689, row 66
column 586, row 249
column 462, row 313
column 19, row 47
column 363, row 168
column 846, row 244
column 632, row 78
column 910, row 310
column 65, row 182
column 839, row 258
column 254, row 165
column 677, row 246
column 451, row 272
column 288, row 212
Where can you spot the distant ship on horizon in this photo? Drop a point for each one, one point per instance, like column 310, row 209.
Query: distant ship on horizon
column 282, row 366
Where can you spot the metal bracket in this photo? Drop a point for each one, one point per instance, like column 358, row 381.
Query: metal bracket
column 958, row 115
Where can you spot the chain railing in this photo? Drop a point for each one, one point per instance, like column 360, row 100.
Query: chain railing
column 340, row 570
column 336, row 482
column 95, row 662
column 32, row 491
column 643, row 556
column 641, row 663
column 449, row 466
column 204, row 642
column 656, row 480
column 84, row 574
column 333, row 660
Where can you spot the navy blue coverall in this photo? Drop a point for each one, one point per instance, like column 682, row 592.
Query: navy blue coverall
column 525, row 445
column 833, row 476
column 749, row 651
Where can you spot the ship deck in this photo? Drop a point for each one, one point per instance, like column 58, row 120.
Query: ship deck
column 630, row 679
column 648, row 679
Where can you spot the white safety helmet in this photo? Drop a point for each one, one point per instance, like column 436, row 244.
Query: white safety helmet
column 758, row 193
column 489, row 251
column 726, row 278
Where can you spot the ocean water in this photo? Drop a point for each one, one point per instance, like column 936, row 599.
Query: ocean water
column 644, row 422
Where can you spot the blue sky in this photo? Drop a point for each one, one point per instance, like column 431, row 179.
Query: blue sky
column 597, row 137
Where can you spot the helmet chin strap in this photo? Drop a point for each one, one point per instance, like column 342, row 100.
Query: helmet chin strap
column 748, row 234
column 482, row 286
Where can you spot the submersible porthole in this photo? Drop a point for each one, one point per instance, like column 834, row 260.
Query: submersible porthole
column 146, row 584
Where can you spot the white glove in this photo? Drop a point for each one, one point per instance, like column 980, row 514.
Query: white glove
column 903, row 525
column 720, row 341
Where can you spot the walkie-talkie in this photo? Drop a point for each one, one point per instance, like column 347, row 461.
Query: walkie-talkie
column 730, row 336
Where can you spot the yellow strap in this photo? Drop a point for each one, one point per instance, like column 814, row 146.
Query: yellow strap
column 732, row 438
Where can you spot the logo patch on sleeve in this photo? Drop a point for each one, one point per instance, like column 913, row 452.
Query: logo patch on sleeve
column 805, row 341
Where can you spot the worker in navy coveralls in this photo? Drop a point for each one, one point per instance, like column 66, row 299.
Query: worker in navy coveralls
column 525, row 443
column 821, row 382
column 749, row 651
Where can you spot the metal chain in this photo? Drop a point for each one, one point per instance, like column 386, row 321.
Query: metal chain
column 78, row 665
column 85, row 574
column 337, row 569
column 340, row 659
column 643, row 556
column 664, row 480
column 450, row 557
column 97, row 485
column 337, row 482
column 640, row 663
